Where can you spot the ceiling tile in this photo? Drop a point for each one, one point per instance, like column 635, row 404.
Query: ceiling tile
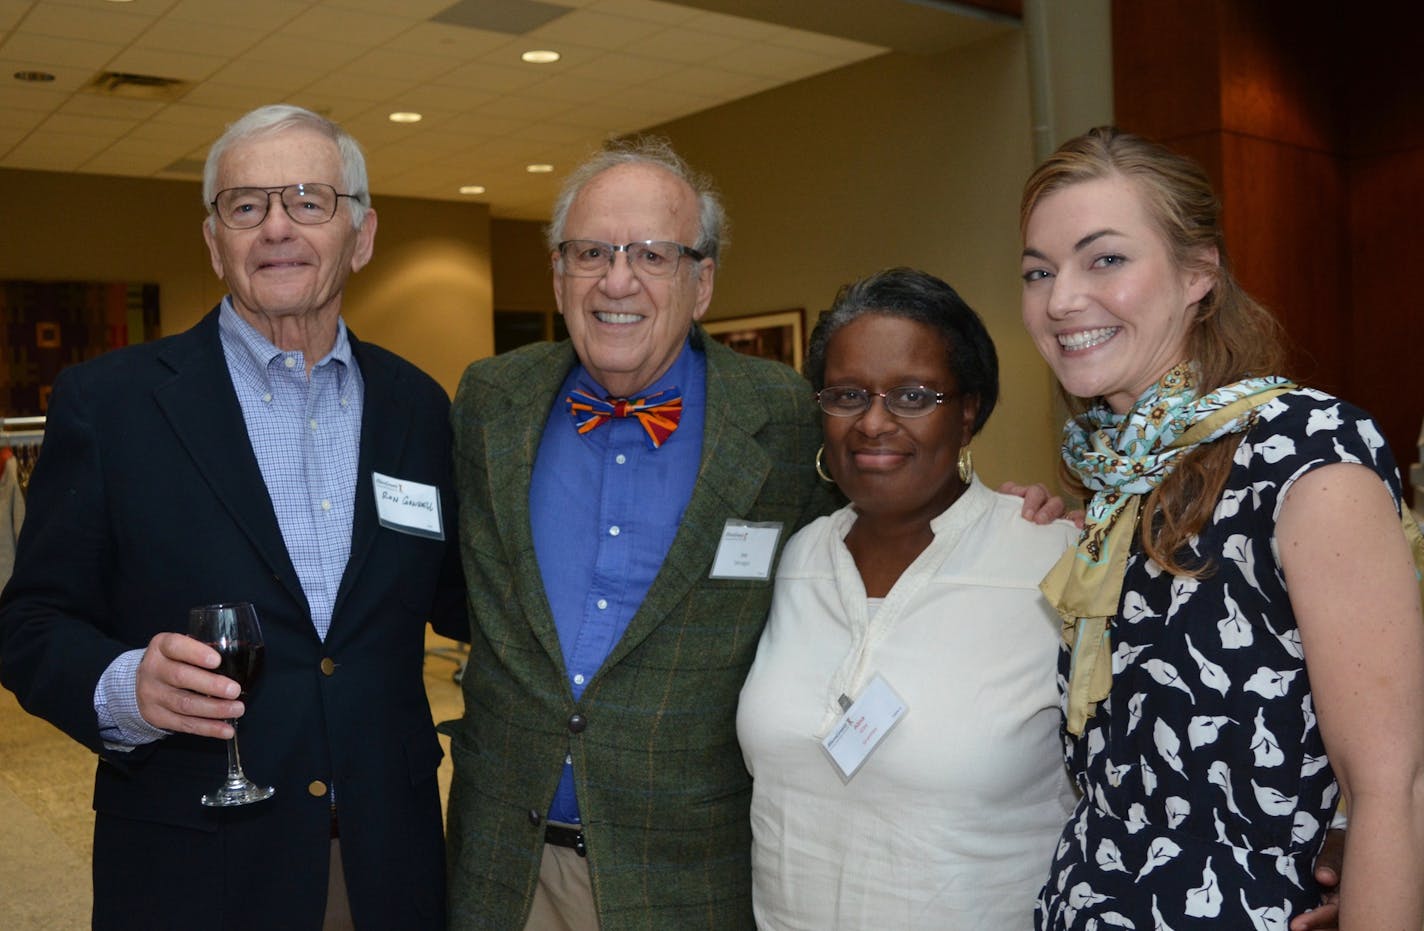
column 275, row 13
column 54, row 152
column 304, row 52
column 358, row 86
column 111, row 23
column 47, row 50
column 831, row 47
column 521, row 108
column 611, row 70
column 415, row 9
column 685, row 46
column 774, row 61
column 735, row 26
column 445, row 41
column 402, row 66
column 651, row 10
column 181, row 36
column 589, row 28
column 13, row 118
column 186, row 66
column 324, row 22
column 75, row 125
column 490, row 78
column 112, row 107
column 228, row 96
column 444, row 97
column 67, row 79
column 280, row 78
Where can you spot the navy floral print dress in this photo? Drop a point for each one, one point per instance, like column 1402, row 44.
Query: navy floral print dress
column 1206, row 792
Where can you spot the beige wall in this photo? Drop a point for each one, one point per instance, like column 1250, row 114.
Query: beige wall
column 901, row 160
column 426, row 294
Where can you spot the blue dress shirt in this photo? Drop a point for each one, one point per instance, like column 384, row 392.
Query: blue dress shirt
column 620, row 501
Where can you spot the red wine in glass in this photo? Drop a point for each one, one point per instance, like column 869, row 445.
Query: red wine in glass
column 233, row 631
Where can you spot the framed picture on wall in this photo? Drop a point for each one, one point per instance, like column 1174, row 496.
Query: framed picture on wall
column 780, row 336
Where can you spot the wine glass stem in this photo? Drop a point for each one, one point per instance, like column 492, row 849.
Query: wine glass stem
column 234, row 759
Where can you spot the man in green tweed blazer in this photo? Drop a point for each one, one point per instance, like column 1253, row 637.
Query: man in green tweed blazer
column 644, row 741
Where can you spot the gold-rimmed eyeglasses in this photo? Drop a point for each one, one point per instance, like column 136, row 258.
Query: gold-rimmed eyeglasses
column 309, row 203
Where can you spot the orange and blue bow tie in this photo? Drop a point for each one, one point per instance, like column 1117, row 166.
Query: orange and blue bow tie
column 658, row 413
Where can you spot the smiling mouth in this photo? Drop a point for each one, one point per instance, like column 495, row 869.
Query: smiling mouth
column 1087, row 339
column 605, row 316
column 876, row 459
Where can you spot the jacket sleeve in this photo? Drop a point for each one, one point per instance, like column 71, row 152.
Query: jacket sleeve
column 53, row 614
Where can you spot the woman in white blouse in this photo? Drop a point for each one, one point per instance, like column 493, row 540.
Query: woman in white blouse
column 920, row 600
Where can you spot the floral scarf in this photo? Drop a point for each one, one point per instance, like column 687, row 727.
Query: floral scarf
column 1121, row 458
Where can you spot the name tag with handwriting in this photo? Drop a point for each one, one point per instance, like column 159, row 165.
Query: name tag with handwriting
column 408, row 507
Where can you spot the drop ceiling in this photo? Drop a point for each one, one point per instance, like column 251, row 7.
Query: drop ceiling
column 625, row 66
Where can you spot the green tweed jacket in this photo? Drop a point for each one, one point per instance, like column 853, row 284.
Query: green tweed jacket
column 661, row 785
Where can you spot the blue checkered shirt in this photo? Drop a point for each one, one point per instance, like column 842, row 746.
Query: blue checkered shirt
column 306, row 434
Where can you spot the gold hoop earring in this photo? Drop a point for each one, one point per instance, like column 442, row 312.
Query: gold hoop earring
column 820, row 468
column 966, row 465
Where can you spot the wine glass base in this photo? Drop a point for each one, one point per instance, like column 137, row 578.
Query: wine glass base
column 231, row 795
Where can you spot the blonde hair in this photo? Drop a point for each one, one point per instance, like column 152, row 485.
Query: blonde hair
column 1231, row 336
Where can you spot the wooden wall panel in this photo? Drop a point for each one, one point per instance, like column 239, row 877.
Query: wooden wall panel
column 1285, row 213
column 1387, row 313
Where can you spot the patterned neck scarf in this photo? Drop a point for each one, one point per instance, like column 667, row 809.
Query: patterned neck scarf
column 1122, row 457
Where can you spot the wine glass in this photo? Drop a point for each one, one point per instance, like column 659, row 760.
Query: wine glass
column 232, row 630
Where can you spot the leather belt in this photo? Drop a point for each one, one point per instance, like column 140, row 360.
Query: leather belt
column 566, row 837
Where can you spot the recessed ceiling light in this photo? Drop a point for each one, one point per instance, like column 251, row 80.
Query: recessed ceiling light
column 540, row 56
column 472, row 189
column 405, row 116
column 538, row 169
column 38, row 77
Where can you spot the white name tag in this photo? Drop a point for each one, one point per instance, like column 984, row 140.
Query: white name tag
column 409, row 507
column 746, row 550
column 859, row 731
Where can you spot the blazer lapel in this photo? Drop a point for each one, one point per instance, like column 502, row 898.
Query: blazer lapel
column 511, row 445
column 201, row 406
column 385, row 420
column 734, row 467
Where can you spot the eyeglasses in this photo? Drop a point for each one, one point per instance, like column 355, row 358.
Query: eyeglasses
column 310, row 204
column 904, row 401
column 589, row 258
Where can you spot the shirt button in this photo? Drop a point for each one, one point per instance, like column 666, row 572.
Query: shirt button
column 290, row 362
column 614, row 531
column 343, row 402
column 602, row 604
column 577, row 723
column 578, row 678
column 620, row 459
column 313, row 423
column 316, row 788
column 267, row 397
column 325, row 505
column 568, row 759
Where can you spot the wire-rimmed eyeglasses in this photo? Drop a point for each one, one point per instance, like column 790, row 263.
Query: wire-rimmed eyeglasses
column 309, row 203
column 904, row 401
column 589, row 258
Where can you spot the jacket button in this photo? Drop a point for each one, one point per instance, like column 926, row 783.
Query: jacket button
column 328, row 666
column 534, row 817
column 317, row 789
column 577, row 723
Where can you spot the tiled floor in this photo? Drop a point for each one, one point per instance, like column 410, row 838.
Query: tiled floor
column 46, row 822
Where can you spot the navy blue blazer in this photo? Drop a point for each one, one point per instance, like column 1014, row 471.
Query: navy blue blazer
column 147, row 500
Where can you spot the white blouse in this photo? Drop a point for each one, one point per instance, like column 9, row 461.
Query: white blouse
column 951, row 823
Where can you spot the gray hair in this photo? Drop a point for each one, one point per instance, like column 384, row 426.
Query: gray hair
column 645, row 150
column 279, row 117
